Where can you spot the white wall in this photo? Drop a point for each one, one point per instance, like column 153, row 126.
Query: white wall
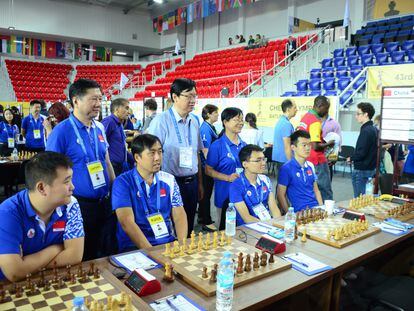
column 120, row 58
column 79, row 21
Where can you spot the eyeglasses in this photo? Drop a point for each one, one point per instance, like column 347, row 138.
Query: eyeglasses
column 259, row 160
column 190, row 97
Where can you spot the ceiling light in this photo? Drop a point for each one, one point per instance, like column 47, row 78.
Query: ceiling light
column 12, row 28
column 158, row 1
column 92, row 50
column 120, row 53
column 18, row 41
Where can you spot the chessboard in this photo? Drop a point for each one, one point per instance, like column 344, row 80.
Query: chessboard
column 198, row 265
column 101, row 290
column 380, row 209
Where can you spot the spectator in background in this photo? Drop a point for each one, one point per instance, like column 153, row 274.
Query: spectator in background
column 43, row 109
column 250, row 43
column 291, row 47
column 230, row 41
column 250, row 134
column 237, row 39
column 331, row 130
column 1, row 113
column 258, row 40
column 8, row 134
column 57, row 113
column 150, row 110
column 408, row 171
column 17, row 116
column 264, row 41
column 242, row 39
column 32, row 128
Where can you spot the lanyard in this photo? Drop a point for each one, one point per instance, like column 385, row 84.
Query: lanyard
column 177, row 132
column 7, row 132
column 144, row 194
column 260, row 198
column 82, row 143
column 238, row 164
column 121, row 129
column 214, row 134
column 32, row 120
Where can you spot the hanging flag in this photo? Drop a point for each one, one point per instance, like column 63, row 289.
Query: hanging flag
column 5, row 45
column 159, row 25
column 165, row 22
column 237, row 3
column 177, row 14
column 19, row 41
column 50, row 49
column 27, row 46
column 155, row 24
column 78, row 51
column 108, row 54
column 220, row 5
column 171, row 20
column 123, row 82
column 60, row 49
column 12, row 44
column 206, row 8
column 100, row 54
column 91, row 55
column 197, row 9
column 346, row 14
column 177, row 47
column 69, row 50
column 42, row 48
column 190, row 13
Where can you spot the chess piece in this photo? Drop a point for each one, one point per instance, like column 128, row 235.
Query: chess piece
column 3, row 297
column 128, row 306
column 239, row 269
column 192, row 237
column 60, row 283
column 109, row 301
column 41, row 282
column 222, row 238
column 176, row 247
column 167, row 249
column 84, row 277
column 200, row 238
column 336, row 236
column 215, row 238
column 55, row 273
column 200, row 245
column 172, row 254
column 80, row 271
column 213, row 276
column 228, row 240
column 204, row 275
column 123, row 300
column 303, row 239
column 46, row 287
column 271, row 258
column 96, row 274
column 184, row 244
column 72, row 279
column 168, row 276
column 296, row 232
column 207, row 243
column 256, row 261
column 263, row 259
column 19, row 293
column 68, row 273
column 28, row 281
column 182, row 252
column 91, row 269
column 248, row 264
column 115, row 305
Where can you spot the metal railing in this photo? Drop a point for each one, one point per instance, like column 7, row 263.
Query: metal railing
column 351, row 86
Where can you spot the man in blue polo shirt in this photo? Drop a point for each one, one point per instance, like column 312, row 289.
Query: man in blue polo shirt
column 282, row 152
column 252, row 192
column 79, row 138
column 43, row 224
column 297, row 178
column 116, row 136
column 32, row 128
column 147, row 201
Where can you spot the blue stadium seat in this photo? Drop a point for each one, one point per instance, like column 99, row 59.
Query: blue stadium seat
column 378, row 38
column 330, row 93
column 315, row 93
column 353, row 60
column 338, row 53
column 407, row 25
column 406, row 18
column 315, row 73
column 398, row 57
column 288, row 94
column 377, row 48
column 371, row 24
column 371, row 30
column 407, row 45
column 344, row 97
column 339, row 61
column 302, row 85
column 343, row 83
column 355, row 70
column 327, row 72
column 410, row 55
column 301, row 93
column 360, row 31
column 395, row 27
column 341, row 72
column 364, row 49
column 327, row 62
column 367, row 60
column 315, row 84
column 403, row 35
column 360, row 81
column 382, row 29
column 329, row 84
column 351, row 51
column 382, row 58
column 392, row 46
column 365, row 40
column 394, row 20
column 390, row 36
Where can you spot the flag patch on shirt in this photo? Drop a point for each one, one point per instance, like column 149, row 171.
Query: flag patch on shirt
column 59, row 226
column 101, row 139
column 163, row 192
column 309, row 172
column 264, row 188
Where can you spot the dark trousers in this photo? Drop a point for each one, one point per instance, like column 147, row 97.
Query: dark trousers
column 99, row 224
column 189, row 194
column 223, row 215
column 118, row 168
column 204, row 216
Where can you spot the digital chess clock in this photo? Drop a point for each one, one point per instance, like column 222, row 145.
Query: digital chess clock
column 142, row 283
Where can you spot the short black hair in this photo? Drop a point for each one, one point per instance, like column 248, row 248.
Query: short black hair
column 246, row 152
column 81, row 86
column 43, row 167
column 208, row 109
column 230, row 113
column 320, row 101
column 181, row 85
column 294, row 137
column 116, row 103
column 286, row 104
column 367, row 108
column 142, row 142
column 151, row 104
column 35, row 101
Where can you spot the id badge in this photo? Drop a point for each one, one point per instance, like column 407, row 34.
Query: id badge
column 158, row 225
column 261, row 212
column 96, row 173
column 10, row 142
column 36, row 134
column 239, row 170
column 186, row 157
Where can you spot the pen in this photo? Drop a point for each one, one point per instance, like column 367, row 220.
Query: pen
column 171, row 304
column 296, row 261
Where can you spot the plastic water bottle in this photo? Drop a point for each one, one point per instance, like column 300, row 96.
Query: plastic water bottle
column 369, row 187
column 225, row 283
column 15, row 155
column 290, row 225
column 79, row 304
column 231, row 220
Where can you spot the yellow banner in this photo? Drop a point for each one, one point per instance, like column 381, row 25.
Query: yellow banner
column 388, row 8
column 269, row 110
column 394, row 75
column 24, row 107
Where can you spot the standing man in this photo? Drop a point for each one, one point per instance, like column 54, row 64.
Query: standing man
column 150, row 107
column 311, row 122
column 179, row 133
column 147, row 201
column 83, row 142
column 365, row 154
column 32, row 128
column 331, row 129
column 281, row 139
column 115, row 135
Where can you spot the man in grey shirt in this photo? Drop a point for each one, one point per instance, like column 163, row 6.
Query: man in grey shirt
column 179, row 133
column 150, row 108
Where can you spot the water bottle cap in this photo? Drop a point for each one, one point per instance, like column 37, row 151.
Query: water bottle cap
column 78, row 301
column 227, row 254
column 291, row 209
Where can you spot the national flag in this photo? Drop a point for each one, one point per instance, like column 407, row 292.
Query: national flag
column 190, row 13
column 19, row 41
column 197, row 9
column 155, row 24
column 27, row 46
column 228, row 4
column 78, row 51
column 91, row 53
column 237, row 3
column 177, row 47
column 123, row 82
column 59, row 226
column 50, row 49
column 206, row 8
column 108, row 54
column 180, row 16
column 5, row 45
column 346, row 14
column 69, row 50
column 220, row 5
column 159, row 25
column 171, row 20
column 12, row 44
column 100, row 54
column 165, row 22
column 60, row 49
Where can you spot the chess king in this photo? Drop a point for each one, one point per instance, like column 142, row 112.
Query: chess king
column 147, row 201
column 42, row 224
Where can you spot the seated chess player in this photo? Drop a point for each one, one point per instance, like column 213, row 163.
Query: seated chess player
column 147, row 201
column 42, row 224
column 252, row 193
column 297, row 178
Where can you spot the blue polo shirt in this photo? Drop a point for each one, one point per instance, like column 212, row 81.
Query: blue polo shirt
column 283, row 129
column 241, row 190
column 23, row 232
column 116, row 138
column 6, row 131
column 29, row 124
column 299, row 183
column 63, row 140
column 208, row 134
column 409, row 163
column 125, row 193
column 220, row 160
